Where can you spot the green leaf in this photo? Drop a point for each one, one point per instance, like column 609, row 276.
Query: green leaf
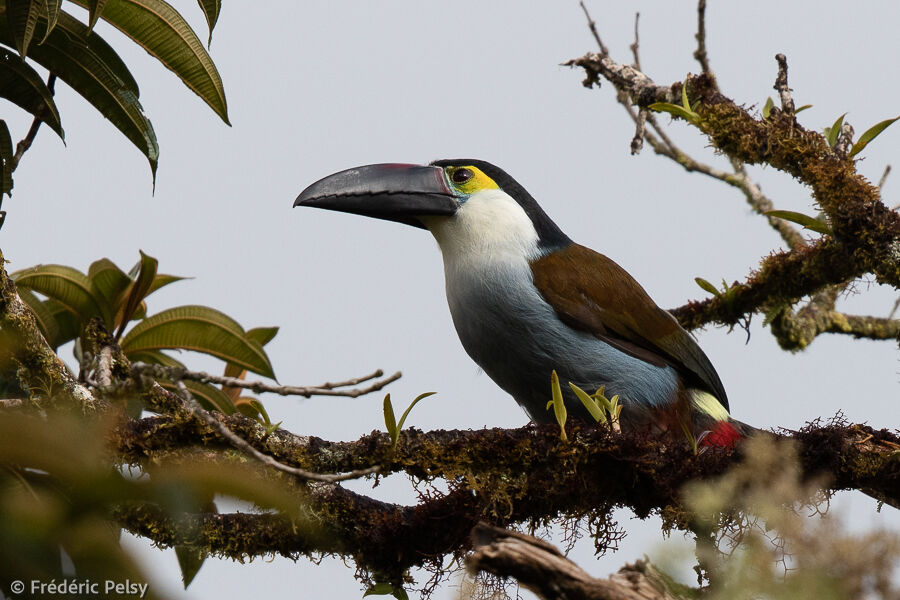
column 211, row 11
column 109, row 282
column 410, row 407
column 23, row 16
column 51, row 12
column 253, row 408
column 201, row 329
column 190, row 559
column 684, row 97
column 870, row 134
column 675, row 110
column 44, row 316
column 386, row 589
column 6, row 157
column 155, row 357
column 707, row 286
column 767, row 107
column 591, row 404
column 831, row 133
column 806, row 221
column 262, row 335
column 162, row 280
column 66, row 285
column 802, row 108
column 162, row 31
column 143, row 274
column 21, row 85
column 95, row 9
column 390, row 421
column 95, row 71
column 559, row 406
column 68, row 324
column 209, row 396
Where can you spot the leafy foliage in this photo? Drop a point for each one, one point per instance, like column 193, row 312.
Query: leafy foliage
column 39, row 30
column 72, row 299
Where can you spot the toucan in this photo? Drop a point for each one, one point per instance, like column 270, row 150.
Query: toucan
column 526, row 300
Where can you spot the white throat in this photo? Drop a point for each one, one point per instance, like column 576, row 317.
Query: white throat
column 489, row 230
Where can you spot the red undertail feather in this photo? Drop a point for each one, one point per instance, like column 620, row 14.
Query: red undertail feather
column 723, row 435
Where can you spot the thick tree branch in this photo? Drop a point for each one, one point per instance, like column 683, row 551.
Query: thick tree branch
column 27, row 358
column 593, row 472
column 544, row 570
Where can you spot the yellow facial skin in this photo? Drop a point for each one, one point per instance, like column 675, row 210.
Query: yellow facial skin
column 478, row 182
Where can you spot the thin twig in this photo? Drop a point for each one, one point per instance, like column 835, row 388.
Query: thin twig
column 781, row 85
column 26, row 142
column 894, row 309
column 245, row 447
column 635, row 47
column 326, row 389
column 700, row 53
column 593, row 27
column 884, row 176
column 637, row 142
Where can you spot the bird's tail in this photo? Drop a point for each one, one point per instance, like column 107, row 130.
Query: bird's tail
column 718, row 429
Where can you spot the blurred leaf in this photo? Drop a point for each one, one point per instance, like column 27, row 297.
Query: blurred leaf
column 190, row 559
column 707, row 286
column 211, row 10
column 142, row 274
column 23, row 16
column 767, row 107
column 802, row 108
column 44, row 316
column 66, row 285
column 201, row 329
column 6, row 156
column 799, row 218
column 832, row 133
column 21, row 85
column 163, row 32
column 870, row 134
column 94, row 70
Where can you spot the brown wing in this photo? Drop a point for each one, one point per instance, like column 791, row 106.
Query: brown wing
column 592, row 293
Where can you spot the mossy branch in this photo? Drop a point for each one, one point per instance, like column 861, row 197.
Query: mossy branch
column 866, row 233
column 29, row 361
column 501, row 476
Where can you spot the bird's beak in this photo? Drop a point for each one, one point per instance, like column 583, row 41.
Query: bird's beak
column 393, row 192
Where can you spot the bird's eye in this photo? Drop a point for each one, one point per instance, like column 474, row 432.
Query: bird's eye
column 461, row 175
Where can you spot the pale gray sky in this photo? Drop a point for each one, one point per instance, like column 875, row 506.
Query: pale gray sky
column 317, row 87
